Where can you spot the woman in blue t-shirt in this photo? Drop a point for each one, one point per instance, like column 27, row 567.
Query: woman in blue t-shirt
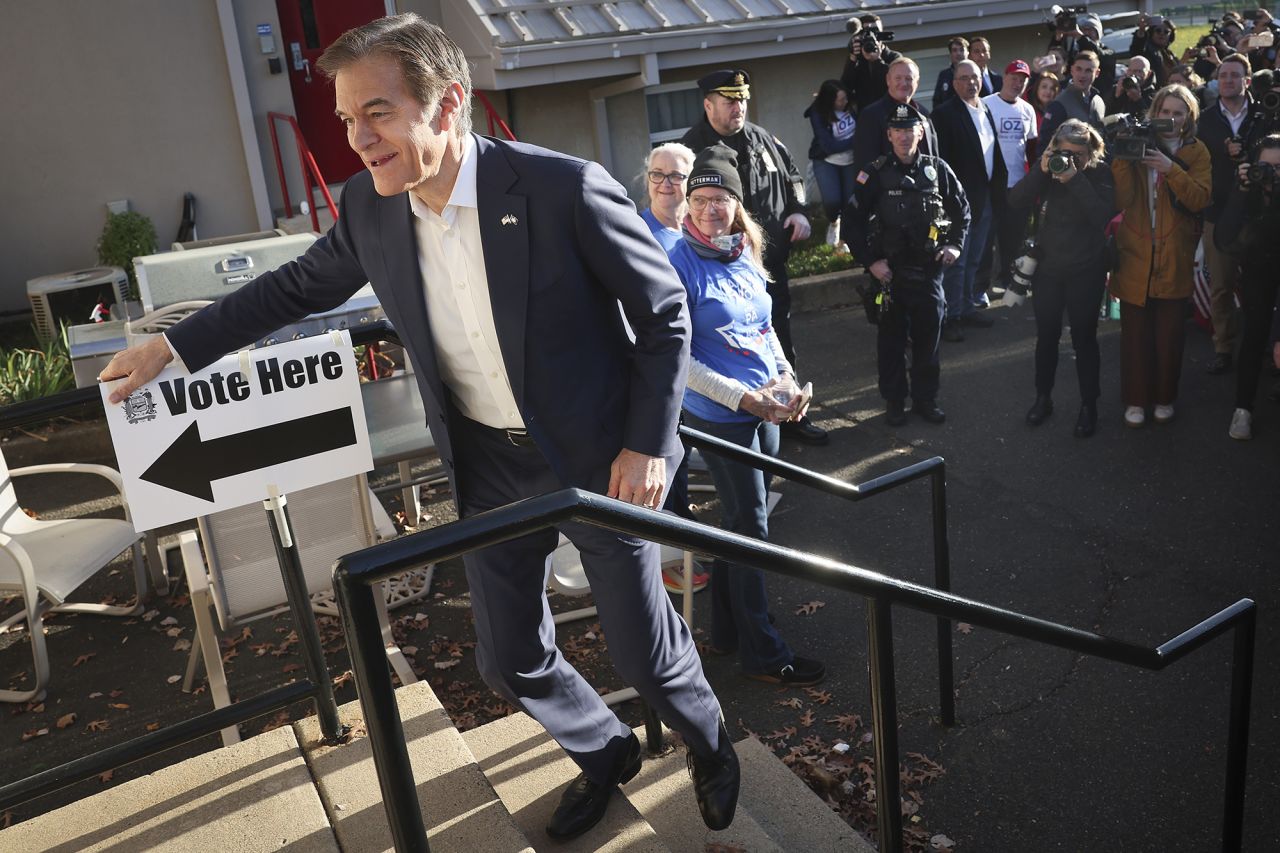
column 665, row 171
column 740, row 388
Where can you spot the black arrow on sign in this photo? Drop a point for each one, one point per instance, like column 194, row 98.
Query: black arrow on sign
column 190, row 465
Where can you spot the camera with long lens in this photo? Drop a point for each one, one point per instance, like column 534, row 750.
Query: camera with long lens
column 1261, row 173
column 1130, row 84
column 1061, row 161
column 1266, row 116
column 870, row 40
column 1022, row 272
column 1130, row 138
column 1066, row 18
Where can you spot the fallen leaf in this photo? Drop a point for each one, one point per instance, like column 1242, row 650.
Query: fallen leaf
column 291, row 667
column 174, row 632
column 941, row 842
column 34, row 733
column 173, row 679
column 116, row 694
column 793, row 702
column 809, row 608
column 168, row 620
column 182, row 645
column 963, row 628
column 447, row 664
column 822, row 697
column 97, row 726
column 847, row 722
column 151, row 727
column 65, row 720
column 119, row 706
column 806, row 719
column 84, row 658
column 345, row 678
column 104, row 778
column 95, row 695
column 149, row 615
column 37, row 708
column 6, row 820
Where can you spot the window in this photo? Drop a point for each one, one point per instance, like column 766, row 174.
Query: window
column 673, row 109
column 931, row 62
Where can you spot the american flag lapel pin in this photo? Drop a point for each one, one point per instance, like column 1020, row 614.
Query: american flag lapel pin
column 510, row 219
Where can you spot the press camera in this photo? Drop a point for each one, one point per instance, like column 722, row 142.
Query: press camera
column 1066, row 18
column 870, row 40
column 1130, row 138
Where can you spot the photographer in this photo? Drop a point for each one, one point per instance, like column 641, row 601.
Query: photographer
column 1153, row 39
column 1073, row 188
column 1224, row 129
column 1160, row 196
column 1079, row 30
column 1133, row 92
column 868, row 63
column 1250, row 228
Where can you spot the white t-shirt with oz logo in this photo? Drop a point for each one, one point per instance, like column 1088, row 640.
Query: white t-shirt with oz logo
column 1015, row 127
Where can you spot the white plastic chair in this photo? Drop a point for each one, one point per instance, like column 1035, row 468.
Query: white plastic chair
column 161, row 319
column 54, row 558
column 237, row 574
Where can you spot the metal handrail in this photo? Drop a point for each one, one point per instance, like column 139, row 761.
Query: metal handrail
column 355, row 574
column 492, row 115
column 309, row 169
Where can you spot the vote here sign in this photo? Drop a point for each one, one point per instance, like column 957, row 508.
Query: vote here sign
column 288, row 415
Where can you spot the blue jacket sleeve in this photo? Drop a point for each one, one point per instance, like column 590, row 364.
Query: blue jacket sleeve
column 825, row 139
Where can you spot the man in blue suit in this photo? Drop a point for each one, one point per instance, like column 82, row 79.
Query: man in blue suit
column 502, row 266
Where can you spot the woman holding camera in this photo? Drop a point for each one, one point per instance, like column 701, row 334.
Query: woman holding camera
column 1074, row 191
column 741, row 387
column 1160, row 197
column 1250, row 228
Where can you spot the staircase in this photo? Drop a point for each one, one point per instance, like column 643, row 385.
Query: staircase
column 491, row 789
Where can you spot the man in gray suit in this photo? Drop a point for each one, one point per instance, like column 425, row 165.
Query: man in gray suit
column 501, row 266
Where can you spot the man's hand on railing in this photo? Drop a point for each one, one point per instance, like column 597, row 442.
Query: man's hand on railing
column 638, row 479
column 137, row 366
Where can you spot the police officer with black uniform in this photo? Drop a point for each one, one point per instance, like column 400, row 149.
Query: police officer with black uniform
column 772, row 193
column 907, row 219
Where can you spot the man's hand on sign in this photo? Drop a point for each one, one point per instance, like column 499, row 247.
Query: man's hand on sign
column 638, row 479
column 137, row 366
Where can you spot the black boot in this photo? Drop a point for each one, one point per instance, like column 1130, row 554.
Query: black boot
column 1040, row 409
column 896, row 413
column 584, row 802
column 1087, row 422
column 716, row 779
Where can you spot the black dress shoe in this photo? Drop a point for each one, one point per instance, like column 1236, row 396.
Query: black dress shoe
column 928, row 409
column 715, row 783
column 1221, row 363
column 1040, row 409
column 977, row 321
column 805, row 430
column 584, row 802
column 951, row 331
column 1087, row 422
column 896, row 413
column 801, row 672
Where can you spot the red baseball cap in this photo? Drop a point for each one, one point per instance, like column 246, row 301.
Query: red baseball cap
column 1018, row 67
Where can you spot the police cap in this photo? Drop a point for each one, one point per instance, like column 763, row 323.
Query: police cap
column 732, row 83
column 902, row 115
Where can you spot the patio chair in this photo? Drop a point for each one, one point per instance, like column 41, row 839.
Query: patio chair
column 53, row 558
column 237, row 574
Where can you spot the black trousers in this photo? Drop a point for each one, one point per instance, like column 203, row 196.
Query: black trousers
column 1258, row 287
column 775, row 263
column 1079, row 293
column 914, row 314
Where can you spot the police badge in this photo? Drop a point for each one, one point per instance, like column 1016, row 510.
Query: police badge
column 930, row 172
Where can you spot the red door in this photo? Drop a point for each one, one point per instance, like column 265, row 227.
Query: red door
column 307, row 27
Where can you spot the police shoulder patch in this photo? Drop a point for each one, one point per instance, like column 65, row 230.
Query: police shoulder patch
column 862, row 177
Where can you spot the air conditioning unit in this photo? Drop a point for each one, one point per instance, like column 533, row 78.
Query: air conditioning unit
column 72, row 296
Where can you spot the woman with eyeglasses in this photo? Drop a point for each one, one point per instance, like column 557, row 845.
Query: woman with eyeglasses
column 665, row 170
column 741, row 387
column 1160, row 196
column 1072, row 194
column 831, row 151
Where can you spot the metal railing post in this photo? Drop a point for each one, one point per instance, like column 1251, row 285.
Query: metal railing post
column 304, row 621
column 381, row 714
column 942, row 581
column 1238, row 732
column 884, row 725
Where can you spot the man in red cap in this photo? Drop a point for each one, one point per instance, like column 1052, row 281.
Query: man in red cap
column 1016, row 133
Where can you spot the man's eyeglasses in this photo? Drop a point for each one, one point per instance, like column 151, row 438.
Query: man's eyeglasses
column 719, row 202
column 673, row 178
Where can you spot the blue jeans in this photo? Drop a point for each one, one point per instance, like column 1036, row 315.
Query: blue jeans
column 959, row 278
column 739, row 603
column 835, row 185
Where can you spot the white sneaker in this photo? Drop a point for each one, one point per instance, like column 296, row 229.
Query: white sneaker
column 1163, row 414
column 833, row 234
column 1241, row 425
column 1134, row 416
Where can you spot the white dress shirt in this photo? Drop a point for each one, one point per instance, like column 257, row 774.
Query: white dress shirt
column 451, row 258
column 986, row 136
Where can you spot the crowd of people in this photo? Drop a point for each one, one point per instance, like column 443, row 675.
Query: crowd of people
column 940, row 204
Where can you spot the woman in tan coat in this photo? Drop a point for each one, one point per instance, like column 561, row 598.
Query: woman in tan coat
column 1160, row 197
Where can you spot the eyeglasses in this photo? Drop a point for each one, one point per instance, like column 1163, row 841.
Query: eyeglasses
column 720, row 202
column 673, row 178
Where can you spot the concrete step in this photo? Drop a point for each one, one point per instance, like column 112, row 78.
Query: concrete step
column 460, row 809
column 792, row 815
column 255, row 796
column 530, row 771
column 663, row 793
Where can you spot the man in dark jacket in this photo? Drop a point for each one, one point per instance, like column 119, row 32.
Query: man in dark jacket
column 771, row 193
column 868, row 63
column 1134, row 92
column 970, row 145
column 1078, row 99
column 870, row 137
column 1223, row 129
column 958, row 47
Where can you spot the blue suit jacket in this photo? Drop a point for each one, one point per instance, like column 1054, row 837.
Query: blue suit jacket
column 556, row 276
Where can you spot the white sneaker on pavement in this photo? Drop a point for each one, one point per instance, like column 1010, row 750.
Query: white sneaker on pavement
column 1134, row 416
column 1163, row 414
column 1241, row 425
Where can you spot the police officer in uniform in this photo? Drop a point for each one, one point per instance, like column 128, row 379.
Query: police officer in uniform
column 771, row 193
column 907, row 219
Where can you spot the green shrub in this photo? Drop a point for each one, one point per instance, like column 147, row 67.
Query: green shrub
column 817, row 259
column 126, row 236
column 29, row 373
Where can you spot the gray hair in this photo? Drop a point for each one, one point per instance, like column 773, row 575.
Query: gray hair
column 428, row 58
column 1077, row 132
column 681, row 152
